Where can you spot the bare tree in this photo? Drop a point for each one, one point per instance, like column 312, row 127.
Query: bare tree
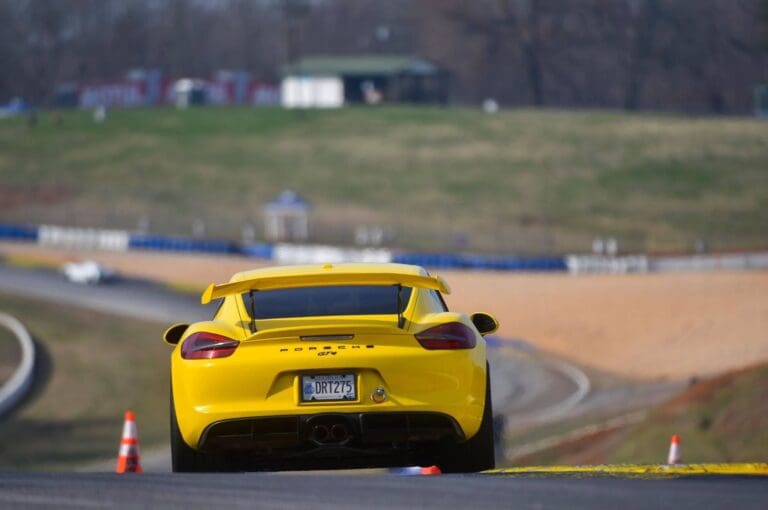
column 643, row 16
column 688, row 55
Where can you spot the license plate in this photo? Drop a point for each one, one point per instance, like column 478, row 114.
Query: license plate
column 328, row 387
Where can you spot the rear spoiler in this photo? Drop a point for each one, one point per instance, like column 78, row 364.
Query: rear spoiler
column 268, row 282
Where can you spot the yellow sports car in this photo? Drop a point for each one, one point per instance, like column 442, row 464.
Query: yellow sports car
column 343, row 365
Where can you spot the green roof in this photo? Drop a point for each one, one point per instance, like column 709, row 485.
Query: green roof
column 362, row 64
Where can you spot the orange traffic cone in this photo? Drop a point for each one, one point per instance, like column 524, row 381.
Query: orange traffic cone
column 128, row 457
column 675, row 456
column 431, row 470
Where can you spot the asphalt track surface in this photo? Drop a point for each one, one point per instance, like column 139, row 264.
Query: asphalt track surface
column 521, row 387
column 130, row 298
column 312, row 491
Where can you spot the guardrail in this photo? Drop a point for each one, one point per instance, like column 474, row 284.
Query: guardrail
column 578, row 264
column 16, row 388
column 319, row 254
column 284, row 253
column 710, row 262
column 83, row 238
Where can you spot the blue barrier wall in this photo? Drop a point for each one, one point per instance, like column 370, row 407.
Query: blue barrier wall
column 164, row 243
column 262, row 251
column 448, row 261
column 18, row 232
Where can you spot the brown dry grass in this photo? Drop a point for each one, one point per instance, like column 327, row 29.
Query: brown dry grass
column 651, row 325
column 644, row 326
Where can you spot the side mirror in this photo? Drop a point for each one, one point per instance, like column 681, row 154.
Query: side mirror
column 173, row 334
column 484, row 323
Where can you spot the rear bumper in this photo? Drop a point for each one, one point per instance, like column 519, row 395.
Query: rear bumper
column 330, row 440
column 337, row 432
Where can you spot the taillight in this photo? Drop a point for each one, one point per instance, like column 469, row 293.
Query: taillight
column 207, row 346
column 453, row 335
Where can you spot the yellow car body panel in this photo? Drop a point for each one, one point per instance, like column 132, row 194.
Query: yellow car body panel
column 248, row 384
column 262, row 377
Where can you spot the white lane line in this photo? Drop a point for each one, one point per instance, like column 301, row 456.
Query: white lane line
column 568, row 370
column 583, row 387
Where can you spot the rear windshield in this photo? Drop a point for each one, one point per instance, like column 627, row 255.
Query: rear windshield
column 321, row 301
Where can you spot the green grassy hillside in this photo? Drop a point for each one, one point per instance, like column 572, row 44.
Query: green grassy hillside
column 521, row 181
column 92, row 367
column 10, row 354
column 724, row 419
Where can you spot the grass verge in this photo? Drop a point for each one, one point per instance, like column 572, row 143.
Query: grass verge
column 722, row 419
column 10, row 354
column 93, row 367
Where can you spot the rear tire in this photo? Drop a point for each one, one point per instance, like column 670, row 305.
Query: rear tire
column 183, row 458
column 478, row 452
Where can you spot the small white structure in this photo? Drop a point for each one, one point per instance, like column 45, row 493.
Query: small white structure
column 186, row 92
column 605, row 246
column 312, row 92
column 287, row 218
column 100, row 114
column 490, row 106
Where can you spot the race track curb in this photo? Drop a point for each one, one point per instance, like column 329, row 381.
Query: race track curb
column 20, row 382
column 641, row 470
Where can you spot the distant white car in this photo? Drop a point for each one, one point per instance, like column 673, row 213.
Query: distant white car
column 87, row 272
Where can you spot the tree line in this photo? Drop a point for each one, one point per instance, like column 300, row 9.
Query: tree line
column 695, row 56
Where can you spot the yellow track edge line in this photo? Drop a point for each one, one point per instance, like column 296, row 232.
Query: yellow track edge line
column 640, row 470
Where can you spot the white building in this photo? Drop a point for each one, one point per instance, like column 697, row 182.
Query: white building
column 287, row 218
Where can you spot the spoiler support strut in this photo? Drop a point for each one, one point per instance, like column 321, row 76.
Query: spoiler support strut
column 253, row 312
column 400, row 318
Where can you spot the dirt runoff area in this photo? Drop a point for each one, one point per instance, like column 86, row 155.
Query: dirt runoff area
column 675, row 325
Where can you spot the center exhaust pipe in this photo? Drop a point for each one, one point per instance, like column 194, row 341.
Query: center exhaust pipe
column 339, row 433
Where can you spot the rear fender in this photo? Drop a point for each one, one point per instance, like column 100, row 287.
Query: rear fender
column 214, row 326
column 433, row 319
